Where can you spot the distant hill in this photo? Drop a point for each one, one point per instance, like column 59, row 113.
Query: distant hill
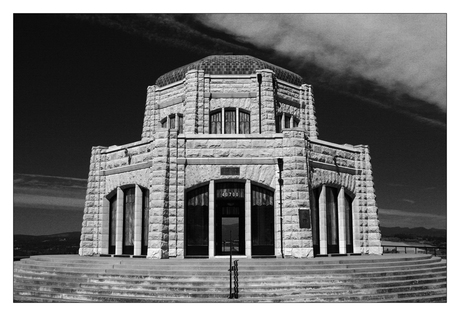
column 68, row 243
column 415, row 232
column 63, row 243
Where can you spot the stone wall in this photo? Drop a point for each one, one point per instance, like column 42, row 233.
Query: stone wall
column 91, row 232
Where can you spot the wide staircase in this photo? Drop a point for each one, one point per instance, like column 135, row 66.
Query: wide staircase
column 388, row 278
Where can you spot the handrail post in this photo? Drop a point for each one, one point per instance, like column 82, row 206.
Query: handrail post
column 230, row 268
column 235, row 277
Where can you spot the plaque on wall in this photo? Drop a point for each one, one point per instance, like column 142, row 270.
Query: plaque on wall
column 304, row 218
column 230, row 171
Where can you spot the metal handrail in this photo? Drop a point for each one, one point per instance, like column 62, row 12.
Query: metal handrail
column 233, row 269
column 426, row 248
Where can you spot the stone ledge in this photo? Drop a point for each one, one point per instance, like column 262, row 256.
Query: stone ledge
column 189, row 136
column 227, row 161
column 339, row 169
column 138, row 166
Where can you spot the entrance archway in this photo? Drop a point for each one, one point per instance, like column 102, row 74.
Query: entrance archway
column 128, row 221
column 332, row 219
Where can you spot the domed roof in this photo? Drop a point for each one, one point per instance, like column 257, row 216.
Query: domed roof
column 228, row 65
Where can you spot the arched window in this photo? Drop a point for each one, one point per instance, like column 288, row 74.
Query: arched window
column 235, row 121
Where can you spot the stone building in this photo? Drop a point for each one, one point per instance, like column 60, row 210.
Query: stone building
column 230, row 147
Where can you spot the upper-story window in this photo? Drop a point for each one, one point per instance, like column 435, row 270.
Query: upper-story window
column 173, row 121
column 295, row 122
column 285, row 121
column 235, row 121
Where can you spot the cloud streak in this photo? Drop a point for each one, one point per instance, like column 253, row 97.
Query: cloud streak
column 46, row 192
column 395, row 218
column 404, row 53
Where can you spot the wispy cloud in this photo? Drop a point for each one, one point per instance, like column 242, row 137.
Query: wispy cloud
column 408, row 201
column 394, row 218
column 404, row 53
column 46, row 192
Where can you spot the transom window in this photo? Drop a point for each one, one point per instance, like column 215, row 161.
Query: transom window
column 236, row 121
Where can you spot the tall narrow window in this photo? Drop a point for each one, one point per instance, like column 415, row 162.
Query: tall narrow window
column 216, row 123
column 287, row 121
column 145, row 221
column 332, row 220
column 278, row 122
column 112, row 224
column 172, row 121
column 349, row 224
column 295, row 122
column 164, row 123
column 230, row 121
column 314, row 202
column 262, row 221
column 244, row 121
column 180, row 124
column 128, row 221
column 196, row 217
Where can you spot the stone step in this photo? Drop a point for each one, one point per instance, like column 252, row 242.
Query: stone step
column 244, row 283
column 184, row 271
column 418, row 278
column 249, row 278
column 220, row 287
column 75, row 259
column 420, row 296
column 246, row 266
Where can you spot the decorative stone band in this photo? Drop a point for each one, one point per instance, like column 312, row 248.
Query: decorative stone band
column 293, row 103
column 170, row 102
column 226, row 161
column 339, row 169
column 138, row 166
column 235, row 95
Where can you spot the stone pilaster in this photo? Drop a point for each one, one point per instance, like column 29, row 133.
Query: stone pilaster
column 267, row 99
column 308, row 101
column 158, row 245
column 150, row 119
column 194, row 96
column 173, row 194
column 91, row 234
column 369, row 206
column 297, row 241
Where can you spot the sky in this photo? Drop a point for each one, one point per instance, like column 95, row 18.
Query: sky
column 80, row 81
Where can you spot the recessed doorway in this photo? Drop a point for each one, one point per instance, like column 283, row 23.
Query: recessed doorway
column 229, row 218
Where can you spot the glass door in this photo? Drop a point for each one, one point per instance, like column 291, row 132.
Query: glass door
column 229, row 218
column 230, row 227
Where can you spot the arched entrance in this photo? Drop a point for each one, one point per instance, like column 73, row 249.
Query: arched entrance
column 222, row 213
column 332, row 218
column 128, row 221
